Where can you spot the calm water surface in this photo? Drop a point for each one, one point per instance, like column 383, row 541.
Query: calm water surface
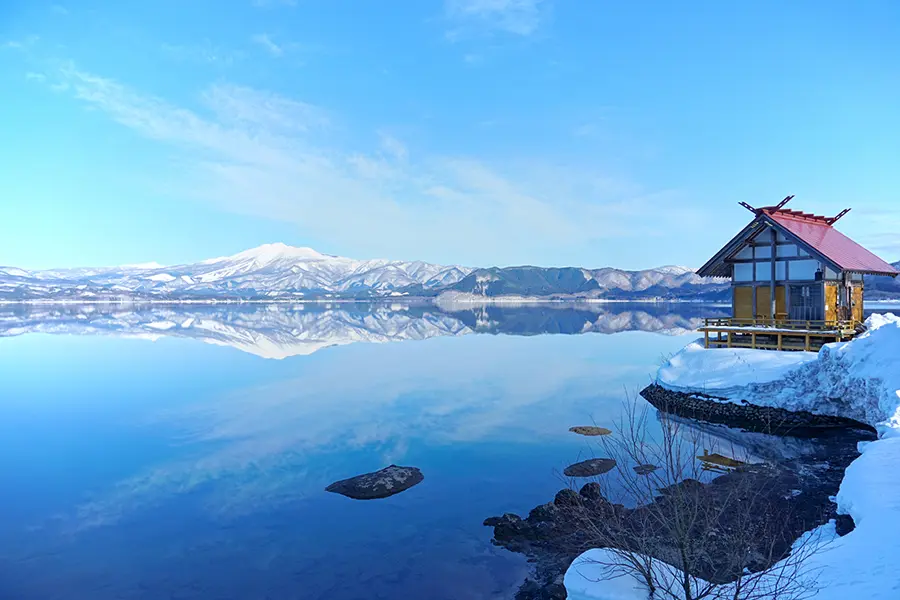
column 174, row 468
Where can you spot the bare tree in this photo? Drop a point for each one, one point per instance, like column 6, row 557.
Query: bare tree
column 686, row 515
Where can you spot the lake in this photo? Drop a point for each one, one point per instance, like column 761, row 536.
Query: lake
column 182, row 452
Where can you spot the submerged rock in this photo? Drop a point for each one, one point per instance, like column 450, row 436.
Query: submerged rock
column 590, row 430
column 644, row 469
column 589, row 468
column 380, row 484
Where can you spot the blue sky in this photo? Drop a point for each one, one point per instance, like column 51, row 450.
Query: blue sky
column 481, row 132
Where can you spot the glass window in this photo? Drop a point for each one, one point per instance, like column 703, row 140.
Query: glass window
column 781, row 237
column 856, row 276
column 763, row 251
column 746, row 252
column 802, row 252
column 829, row 274
column 780, row 270
column 804, row 269
column 788, row 250
column 743, row 272
column 763, row 271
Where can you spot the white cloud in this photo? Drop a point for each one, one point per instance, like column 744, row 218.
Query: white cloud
column 258, row 153
column 59, row 9
column 40, row 77
column 270, row 46
column 393, row 147
column 203, row 53
column 517, row 17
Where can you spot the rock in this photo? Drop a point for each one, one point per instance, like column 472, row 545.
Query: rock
column 590, row 430
column 567, row 497
column 380, row 484
column 645, row 469
column 591, row 491
column 589, row 468
column 843, row 524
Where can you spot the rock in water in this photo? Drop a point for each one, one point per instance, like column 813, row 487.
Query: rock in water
column 590, row 430
column 644, row 469
column 380, row 484
column 589, row 468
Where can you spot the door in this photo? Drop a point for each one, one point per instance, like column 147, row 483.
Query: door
column 743, row 302
column 764, row 302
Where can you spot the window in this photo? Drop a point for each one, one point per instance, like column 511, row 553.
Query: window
column 786, row 251
column 804, row 269
column 746, row 252
column 780, row 270
column 829, row 274
column 763, row 251
column 763, row 271
column 743, row 272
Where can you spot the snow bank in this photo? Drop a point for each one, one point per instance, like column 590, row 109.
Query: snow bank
column 863, row 563
column 726, row 370
column 592, row 575
column 859, row 379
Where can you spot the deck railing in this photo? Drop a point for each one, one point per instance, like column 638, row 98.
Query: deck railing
column 777, row 334
column 780, row 323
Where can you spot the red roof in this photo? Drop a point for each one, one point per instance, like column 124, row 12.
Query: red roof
column 818, row 233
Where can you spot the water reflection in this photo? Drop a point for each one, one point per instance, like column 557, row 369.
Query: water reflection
column 283, row 330
column 178, row 469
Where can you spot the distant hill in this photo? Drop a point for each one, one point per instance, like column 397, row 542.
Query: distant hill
column 883, row 288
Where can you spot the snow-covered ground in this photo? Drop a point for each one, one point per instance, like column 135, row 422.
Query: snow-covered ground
column 859, row 379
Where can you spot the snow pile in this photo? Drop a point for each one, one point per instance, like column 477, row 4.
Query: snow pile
column 594, row 576
column 726, row 371
column 863, row 563
column 859, row 379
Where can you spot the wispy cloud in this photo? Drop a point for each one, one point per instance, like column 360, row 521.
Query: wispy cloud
column 254, row 152
column 203, row 53
column 268, row 44
column 59, row 9
column 517, row 17
column 21, row 44
column 39, row 77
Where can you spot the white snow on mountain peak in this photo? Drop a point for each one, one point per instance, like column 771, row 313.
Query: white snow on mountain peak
column 268, row 253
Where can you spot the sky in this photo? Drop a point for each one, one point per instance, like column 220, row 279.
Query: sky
column 475, row 132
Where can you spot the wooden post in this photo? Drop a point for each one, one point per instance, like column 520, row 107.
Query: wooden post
column 772, row 286
column 780, row 338
column 706, row 338
column 753, row 340
column 807, row 342
column 728, row 337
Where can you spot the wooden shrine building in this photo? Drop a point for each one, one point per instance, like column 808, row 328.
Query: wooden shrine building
column 797, row 282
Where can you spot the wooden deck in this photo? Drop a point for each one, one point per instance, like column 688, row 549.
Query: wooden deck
column 781, row 334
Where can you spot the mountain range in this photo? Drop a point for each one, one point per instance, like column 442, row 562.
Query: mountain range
column 280, row 272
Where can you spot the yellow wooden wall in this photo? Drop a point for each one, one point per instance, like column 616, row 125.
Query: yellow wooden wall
column 743, row 302
column 857, row 298
column 831, row 302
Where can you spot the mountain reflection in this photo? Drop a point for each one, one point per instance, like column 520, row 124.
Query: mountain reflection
column 282, row 330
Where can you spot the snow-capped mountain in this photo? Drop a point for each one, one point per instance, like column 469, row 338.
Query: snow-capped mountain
column 273, row 271
column 281, row 272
